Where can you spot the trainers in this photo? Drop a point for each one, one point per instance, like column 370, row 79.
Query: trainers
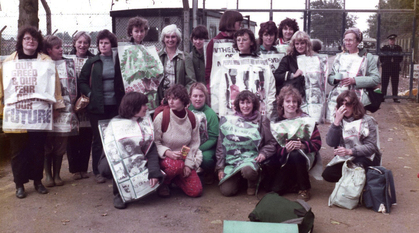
column 304, row 195
column 163, row 190
column 84, row 175
column 77, row 176
column 100, row 179
column 118, row 203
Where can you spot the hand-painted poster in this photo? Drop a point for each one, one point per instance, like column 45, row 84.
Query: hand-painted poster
column 29, row 88
column 294, row 129
column 142, row 70
column 248, row 73
column 66, row 122
column 240, row 141
column 273, row 58
column 315, row 73
column 203, row 128
column 349, row 65
column 126, row 142
column 223, row 49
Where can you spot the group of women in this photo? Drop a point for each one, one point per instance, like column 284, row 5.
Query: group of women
column 234, row 147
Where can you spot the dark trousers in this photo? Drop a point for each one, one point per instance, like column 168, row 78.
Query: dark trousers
column 394, row 75
column 97, row 148
column 27, row 156
column 293, row 175
column 78, row 150
column 334, row 173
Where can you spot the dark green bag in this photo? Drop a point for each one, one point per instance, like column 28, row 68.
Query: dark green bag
column 274, row 208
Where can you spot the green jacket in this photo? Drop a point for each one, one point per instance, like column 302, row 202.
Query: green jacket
column 183, row 70
column 94, row 87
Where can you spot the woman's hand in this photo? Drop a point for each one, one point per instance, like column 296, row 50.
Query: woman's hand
column 348, row 81
column 342, row 151
column 298, row 73
column 186, row 171
column 153, row 182
column 294, row 145
column 220, row 175
column 340, row 113
column 175, row 155
column 260, row 158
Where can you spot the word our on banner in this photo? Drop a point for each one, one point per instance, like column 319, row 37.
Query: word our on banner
column 125, row 143
column 28, row 79
column 223, row 49
column 142, row 70
column 273, row 58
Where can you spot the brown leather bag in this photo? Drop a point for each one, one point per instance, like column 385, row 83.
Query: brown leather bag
column 83, row 100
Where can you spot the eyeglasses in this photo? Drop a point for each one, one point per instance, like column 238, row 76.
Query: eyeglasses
column 29, row 39
column 350, row 41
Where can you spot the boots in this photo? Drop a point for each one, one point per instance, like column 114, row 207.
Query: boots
column 58, row 159
column 49, row 181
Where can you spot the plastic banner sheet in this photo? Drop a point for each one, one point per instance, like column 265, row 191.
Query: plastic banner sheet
column 142, row 70
column 203, row 128
column 239, row 74
column 240, row 140
column 29, row 88
column 126, row 142
column 273, row 58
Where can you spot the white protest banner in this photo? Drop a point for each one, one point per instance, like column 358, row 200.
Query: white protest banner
column 29, row 88
column 315, row 73
column 126, row 142
column 223, row 49
column 248, row 73
column 78, row 63
column 273, row 58
column 142, row 70
column 32, row 114
column 67, row 122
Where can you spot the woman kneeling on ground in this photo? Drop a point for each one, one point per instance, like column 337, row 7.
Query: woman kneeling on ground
column 353, row 134
column 244, row 143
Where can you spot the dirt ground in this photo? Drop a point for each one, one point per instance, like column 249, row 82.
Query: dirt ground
column 84, row 206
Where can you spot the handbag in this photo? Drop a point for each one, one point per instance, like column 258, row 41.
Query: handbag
column 376, row 98
column 349, row 188
column 83, row 100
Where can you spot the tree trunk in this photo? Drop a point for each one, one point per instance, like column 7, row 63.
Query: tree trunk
column 28, row 13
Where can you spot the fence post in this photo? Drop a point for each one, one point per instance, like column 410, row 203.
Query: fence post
column 1, row 31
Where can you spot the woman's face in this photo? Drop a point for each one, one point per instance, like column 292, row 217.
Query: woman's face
column 287, row 33
column 105, row 47
column 268, row 39
column 197, row 98
column 82, row 46
column 142, row 112
column 246, row 107
column 350, row 42
column 29, row 44
column 301, row 46
column 244, row 43
column 56, row 52
column 138, row 34
column 198, row 43
column 348, row 107
column 290, row 105
column 170, row 40
column 175, row 103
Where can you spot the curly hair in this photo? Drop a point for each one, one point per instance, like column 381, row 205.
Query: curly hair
column 299, row 37
column 106, row 34
column 199, row 32
column 292, row 23
column 228, row 20
column 241, row 32
column 286, row 92
column 201, row 87
column 358, row 107
column 178, row 91
column 138, row 22
column 51, row 41
column 37, row 35
column 131, row 104
column 267, row 27
column 246, row 95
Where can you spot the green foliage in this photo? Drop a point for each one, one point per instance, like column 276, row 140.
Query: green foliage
column 327, row 25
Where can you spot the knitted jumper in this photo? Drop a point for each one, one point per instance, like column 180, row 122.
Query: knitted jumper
column 178, row 133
